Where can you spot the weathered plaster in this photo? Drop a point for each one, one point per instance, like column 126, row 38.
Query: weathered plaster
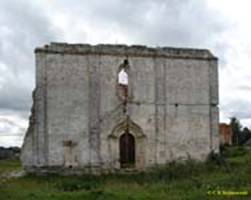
column 78, row 117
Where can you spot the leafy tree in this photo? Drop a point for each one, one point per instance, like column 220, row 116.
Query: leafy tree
column 245, row 135
column 236, row 128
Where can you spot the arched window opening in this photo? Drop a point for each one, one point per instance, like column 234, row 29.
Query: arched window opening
column 123, row 77
column 123, row 80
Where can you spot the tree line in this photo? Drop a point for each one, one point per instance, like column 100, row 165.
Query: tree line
column 240, row 134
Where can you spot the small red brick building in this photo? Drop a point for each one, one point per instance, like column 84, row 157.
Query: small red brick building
column 226, row 134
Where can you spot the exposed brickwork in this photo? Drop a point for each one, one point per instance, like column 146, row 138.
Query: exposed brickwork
column 226, row 134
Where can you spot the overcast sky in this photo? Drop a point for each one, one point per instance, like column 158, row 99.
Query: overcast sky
column 223, row 26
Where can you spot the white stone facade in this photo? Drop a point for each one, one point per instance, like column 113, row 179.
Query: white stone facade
column 78, row 116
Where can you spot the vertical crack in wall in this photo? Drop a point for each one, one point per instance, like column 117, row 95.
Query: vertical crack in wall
column 123, row 86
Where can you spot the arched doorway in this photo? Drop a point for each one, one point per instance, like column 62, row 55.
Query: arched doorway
column 127, row 150
column 117, row 148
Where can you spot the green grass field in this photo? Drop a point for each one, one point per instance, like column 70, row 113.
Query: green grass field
column 190, row 180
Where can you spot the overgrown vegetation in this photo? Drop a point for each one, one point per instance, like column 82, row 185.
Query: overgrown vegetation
column 188, row 180
column 240, row 134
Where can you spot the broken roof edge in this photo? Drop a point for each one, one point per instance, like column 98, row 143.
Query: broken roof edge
column 121, row 49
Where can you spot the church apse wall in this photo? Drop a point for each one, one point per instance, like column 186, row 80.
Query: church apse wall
column 107, row 108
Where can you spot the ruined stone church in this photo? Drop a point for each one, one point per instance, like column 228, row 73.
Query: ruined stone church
column 107, row 108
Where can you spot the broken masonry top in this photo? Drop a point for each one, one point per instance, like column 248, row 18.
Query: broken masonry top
column 121, row 50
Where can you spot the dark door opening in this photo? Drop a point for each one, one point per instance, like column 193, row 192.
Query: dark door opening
column 127, row 150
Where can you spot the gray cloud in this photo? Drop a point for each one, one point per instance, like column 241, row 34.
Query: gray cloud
column 183, row 23
column 12, row 128
column 245, row 88
column 23, row 27
column 239, row 108
column 157, row 22
column 25, row 24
